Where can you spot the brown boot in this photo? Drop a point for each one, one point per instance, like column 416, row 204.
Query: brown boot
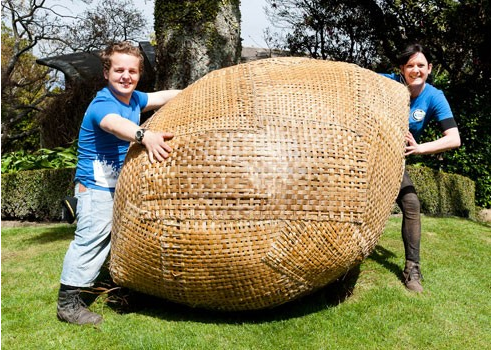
column 412, row 277
column 72, row 309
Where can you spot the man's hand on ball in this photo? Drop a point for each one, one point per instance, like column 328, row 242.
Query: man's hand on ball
column 156, row 145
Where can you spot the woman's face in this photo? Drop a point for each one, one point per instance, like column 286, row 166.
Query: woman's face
column 416, row 70
column 123, row 75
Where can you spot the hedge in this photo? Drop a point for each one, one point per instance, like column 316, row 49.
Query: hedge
column 443, row 194
column 37, row 195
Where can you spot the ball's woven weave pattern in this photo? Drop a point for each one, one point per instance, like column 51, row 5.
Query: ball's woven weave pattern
column 283, row 174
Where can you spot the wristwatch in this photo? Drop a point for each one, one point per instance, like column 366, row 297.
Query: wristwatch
column 139, row 135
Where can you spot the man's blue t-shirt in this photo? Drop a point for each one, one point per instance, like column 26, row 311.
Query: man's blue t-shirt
column 431, row 103
column 101, row 154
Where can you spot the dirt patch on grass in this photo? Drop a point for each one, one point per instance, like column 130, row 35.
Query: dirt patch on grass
column 485, row 215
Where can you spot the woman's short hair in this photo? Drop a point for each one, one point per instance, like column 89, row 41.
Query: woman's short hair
column 409, row 51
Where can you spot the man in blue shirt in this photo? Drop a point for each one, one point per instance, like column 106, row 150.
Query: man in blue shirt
column 427, row 103
column 110, row 123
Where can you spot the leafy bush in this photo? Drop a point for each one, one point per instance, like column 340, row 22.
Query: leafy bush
column 443, row 193
column 36, row 195
column 42, row 159
column 34, row 184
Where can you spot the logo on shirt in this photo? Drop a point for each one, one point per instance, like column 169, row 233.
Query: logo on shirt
column 105, row 173
column 418, row 115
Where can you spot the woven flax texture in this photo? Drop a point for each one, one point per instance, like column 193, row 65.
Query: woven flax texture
column 283, row 174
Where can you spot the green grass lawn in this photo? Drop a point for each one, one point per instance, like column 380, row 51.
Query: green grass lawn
column 369, row 309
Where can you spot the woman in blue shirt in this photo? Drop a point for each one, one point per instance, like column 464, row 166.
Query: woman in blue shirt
column 427, row 103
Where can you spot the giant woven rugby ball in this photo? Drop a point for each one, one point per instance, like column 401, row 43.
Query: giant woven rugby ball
column 283, row 174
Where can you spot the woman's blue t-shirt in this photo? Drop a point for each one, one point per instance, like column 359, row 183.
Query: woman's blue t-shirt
column 101, row 154
column 430, row 104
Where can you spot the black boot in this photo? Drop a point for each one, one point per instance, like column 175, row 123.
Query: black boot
column 412, row 277
column 72, row 309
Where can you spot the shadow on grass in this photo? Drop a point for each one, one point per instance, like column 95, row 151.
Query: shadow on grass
column 381, row 255
column 125, row 301
column 51, row 234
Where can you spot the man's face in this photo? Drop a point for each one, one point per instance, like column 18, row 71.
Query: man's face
column 123, row 75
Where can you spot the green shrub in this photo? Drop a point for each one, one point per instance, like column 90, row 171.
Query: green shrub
column 36, row 195
column 443, row 194
column 456, row 195
column 34, row 184
column 42, row 159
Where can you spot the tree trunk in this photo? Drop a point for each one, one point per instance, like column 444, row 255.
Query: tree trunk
column 194, row 38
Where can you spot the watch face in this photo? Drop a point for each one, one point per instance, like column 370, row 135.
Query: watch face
column 139, row 135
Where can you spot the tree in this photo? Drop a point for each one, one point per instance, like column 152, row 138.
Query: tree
column 110, row 21
column 23, row 93
column 371, row 33
column 195, row 37
column 325, row 29
column 29, row 26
